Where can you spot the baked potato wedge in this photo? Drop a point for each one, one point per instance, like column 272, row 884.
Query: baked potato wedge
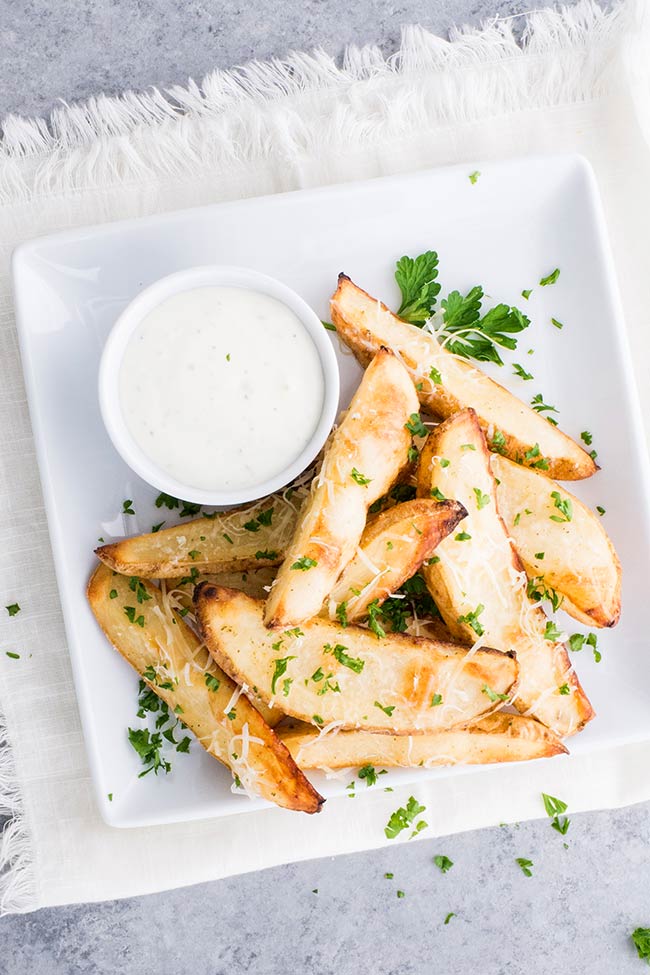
column 499, row 737
column 449, row 383
column 228, row 541
column 579, row 562
column 324, row 673
column 479, row 585
column 165, row 645
column 362, row 459
column 392, row 548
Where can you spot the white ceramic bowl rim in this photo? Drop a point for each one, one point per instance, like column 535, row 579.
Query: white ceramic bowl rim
column 132, row 316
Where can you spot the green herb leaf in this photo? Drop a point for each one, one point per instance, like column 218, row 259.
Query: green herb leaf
column 482, row 500
column 564, row 506
column 13, row 609
column 212, row 683
column 557, row 324
column 521, row 372
column 472, row 620
column 415, row 426
column 156, row 528
column 525, row 866
column 641, row 941
column 328, row 326
column 304, row 563
column 270, row 554
column 526, row 293
column 435, row 377
column 550, row 278
column 600, row 510
column 387, row 709
column 492, row 695
column 402, row 818
column 462, row 537
column 586, row 437
column 127, row 507
column 359, row 477
column 552, row 632
column 443, row 863
column 468, row 334
column 12, row 655
column 436, row 700
column 131, row 616
column 353, row 663
column 416, row 279
column 138, row 587
column 449, row 917
column 473, row 177
column 279, row 670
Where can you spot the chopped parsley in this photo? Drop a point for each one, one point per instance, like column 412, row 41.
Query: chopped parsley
column 482, row 500
column 400, row 894
column 131, row 616
column 156, row 528
column 525, row 866
column 138, row 587
column 265, row 517
column 443, row 863
column 534, row 454
column 555, row 809
column 166, row 501
column 498, row 442
column 550, row 278
column 212, row 683
column 112, row 594
column 436, row 700
column 416, row 278
column 387, row 709
column 388, row 876
column 316, row 718
column 473, row 177
column 149, row 745
column 600, row 510
column 360, row 478
column 279, row 670
column 462, row 537
column 472, row 620
column 641, row 941
column 374, row 611
column 127, row 507
column 13, row 609
column 12, row 655
column 557, row 324
column 328, row 326
column 449, row 917
column 539, row 556
column 586, row 437
column 526, row 293
column 564, row 506
column 471, row 335
column 576, row 642
column 370, row 774
column 564, row 689
column 228, row 538
column 252, row 525
column 270, row 554
column 538, row 404
column 435, row 376
column 437, row 494
column 342, row 609
column 403, row 818
column 194, row 554
column 339, row 654
column 304, row 563
column 552, row 632
column 415, row 426
column 521, row 372
column 492, row 695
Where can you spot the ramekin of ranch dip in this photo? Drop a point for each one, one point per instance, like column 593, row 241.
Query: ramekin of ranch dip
column 218, row 385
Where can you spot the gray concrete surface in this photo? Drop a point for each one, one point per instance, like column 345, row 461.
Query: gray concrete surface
column 576, row 913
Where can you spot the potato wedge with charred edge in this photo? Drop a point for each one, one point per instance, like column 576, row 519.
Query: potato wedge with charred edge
column 171, row 648
column 448, row 383
column 322, row 673
column 362, row 459
column 228, row 541
column 392, row 548
column 479, row 584
column 579, row 561
column 497, row 737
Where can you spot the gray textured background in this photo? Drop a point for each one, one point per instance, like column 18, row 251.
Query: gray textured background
column 577, row 911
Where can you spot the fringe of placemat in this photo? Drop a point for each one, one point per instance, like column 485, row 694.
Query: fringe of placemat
column 267, row 110
column 17, row 878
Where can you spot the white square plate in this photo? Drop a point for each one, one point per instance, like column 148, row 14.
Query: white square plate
column 520, row 220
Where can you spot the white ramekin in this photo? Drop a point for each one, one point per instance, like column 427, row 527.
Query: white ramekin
column 132, row 316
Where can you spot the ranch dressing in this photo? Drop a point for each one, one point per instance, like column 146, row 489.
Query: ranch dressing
column 221, row 387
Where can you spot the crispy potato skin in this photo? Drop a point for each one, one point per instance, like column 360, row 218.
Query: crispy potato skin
column 499, row 737
column 465, row 577
column 222, row 542
column 366, row 324
column 373, row 440
column 167, row 644
column 396, row 543
column 398, row 674
column 580, row 561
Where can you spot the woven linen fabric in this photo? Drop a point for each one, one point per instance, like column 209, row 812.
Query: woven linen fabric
column 579, row 81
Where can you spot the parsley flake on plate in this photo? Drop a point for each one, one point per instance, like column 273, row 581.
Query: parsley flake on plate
column 13, row 609
column 525, row 865
column 443, row 863
column 403, row 818
column 550, row 278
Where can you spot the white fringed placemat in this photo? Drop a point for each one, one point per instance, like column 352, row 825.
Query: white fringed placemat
column 580, row 82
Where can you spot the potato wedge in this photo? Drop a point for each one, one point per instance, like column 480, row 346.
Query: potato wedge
column 228, row 541
column 392, row 548
column 365, row 325
column 497, row 737
column 479, row 584
column 323, row 673
column 362, row 459
column 579, row 560
column 165, row 643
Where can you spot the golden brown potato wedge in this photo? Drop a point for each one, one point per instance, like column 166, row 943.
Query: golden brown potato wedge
column 182, row 665
column 322, row 673
column 392, row 548
column 497, row 737
column 228, row 541
column 362, row 459
column 579, row 560
column 448, row 383
column 479, row 584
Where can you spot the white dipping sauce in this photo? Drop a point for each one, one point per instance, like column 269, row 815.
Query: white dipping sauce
column 221, row 387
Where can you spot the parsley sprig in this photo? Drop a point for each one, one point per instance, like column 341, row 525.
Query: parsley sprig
column 404, row 817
